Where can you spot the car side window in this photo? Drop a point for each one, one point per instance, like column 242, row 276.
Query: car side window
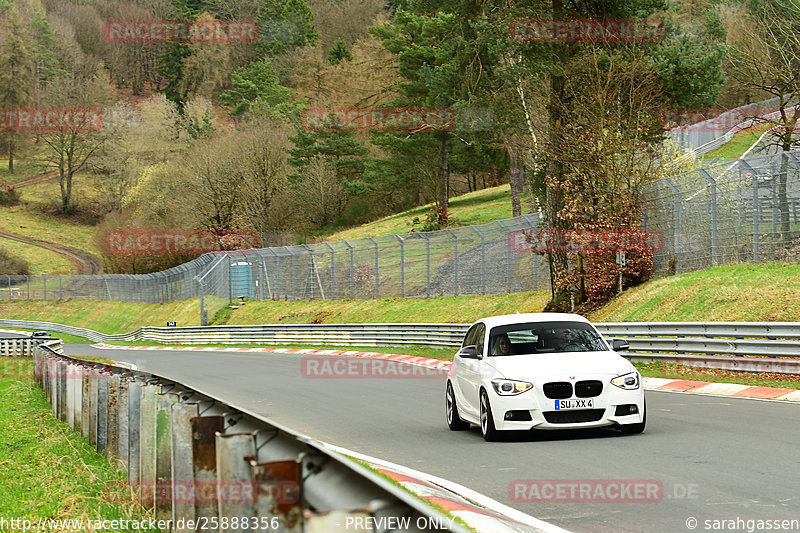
column 480, row 337
column 469, row 338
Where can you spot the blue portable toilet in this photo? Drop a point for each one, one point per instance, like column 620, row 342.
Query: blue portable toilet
column 242, row 279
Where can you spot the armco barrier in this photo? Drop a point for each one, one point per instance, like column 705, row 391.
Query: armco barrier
column 191, row 456
column 776, row 344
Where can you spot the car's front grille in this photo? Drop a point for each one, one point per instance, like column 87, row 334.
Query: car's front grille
column 558, row 390
column 589, row 388
column 573, row 417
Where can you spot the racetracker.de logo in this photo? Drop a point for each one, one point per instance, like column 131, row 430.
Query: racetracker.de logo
column 141, row 242
column 543, row 241
column 379, row 119
column 586, row 491
column 322, row 367
column 586, row 30
column 282, row 492
column 180, row 31
column 51, row 119
column 719, row 119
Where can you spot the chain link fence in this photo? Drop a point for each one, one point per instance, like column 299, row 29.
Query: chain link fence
column 733, row 211
column 725, row 212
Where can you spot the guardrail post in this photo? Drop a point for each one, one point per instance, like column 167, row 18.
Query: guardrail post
column 455, row 260
column 71, row 389
column 86, row 378
column 182, row 469
column 112, row 431
column 102, row 411
column 402, row 266
column 204, row 459
column 93, row 379
column 147, row 446
column 277, row 488
column 165, row 401
column 134, row 435
column 235, row 478
column 123, row 428
column 377, row 282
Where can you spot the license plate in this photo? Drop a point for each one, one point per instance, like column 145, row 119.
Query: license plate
column 566, row 405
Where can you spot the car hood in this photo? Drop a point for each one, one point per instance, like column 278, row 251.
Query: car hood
column 560, row 365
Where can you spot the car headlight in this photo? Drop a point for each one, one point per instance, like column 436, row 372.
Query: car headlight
column 627, row 381
column 510, row 387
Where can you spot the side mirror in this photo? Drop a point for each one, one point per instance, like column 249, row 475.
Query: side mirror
column 469, row 352
column 619, row 345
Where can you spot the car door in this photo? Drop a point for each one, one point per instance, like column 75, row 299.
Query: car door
column 468, row 371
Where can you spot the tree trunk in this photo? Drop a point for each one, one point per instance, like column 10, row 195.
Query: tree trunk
column 515, row 181
column 444, row 182
column 11, row 156
column 783, row 197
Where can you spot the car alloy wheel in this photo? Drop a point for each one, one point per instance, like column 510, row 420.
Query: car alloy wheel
column 487, row 422
column 454, row 422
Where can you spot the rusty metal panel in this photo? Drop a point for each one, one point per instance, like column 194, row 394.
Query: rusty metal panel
column 134, row 398
column 235, row 480
column 277, row 495
column 204, row 457
column 102, row 411
column 112, row 432
column 147, row 446
column 85, row 377
column 122, row 425
column 93, row 379
column 338, row 522
column 164, row 455
column 182, row 465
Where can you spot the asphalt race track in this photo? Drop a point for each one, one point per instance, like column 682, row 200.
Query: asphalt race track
column 716, row 458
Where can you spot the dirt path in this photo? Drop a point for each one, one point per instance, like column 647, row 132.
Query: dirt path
column 84, row 262
column 41, row 178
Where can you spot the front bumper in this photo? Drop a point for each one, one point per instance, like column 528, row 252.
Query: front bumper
column 539, row 408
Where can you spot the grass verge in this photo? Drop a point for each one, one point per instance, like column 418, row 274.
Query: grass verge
column 456, row 309
column 109, row 317
column 40, row 260
column 747, row 293
column 737, row 146
column 47, row 469
column 672, row 371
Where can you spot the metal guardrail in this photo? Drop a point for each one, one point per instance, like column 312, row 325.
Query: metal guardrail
column 25, row 346
column 710, row 344
column 192, row 456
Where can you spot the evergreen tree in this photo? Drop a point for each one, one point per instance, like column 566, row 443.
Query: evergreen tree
column 339, row 52
column 16, row 71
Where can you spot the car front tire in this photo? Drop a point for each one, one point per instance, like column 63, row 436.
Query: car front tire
column 632, row 429
column 454, row 422
column 487, row 422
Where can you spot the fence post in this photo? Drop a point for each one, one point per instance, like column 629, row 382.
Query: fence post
column 424, row 235
column 713, row 184
column 677, row 210
column 508, row 255
column 756, row 218
column 483, row 258
column 352, row 271
column 402, row 266
column 455, row 260
column 333, row 271
column 377, row 290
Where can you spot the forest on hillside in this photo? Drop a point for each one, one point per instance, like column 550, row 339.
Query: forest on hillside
column 214, row 134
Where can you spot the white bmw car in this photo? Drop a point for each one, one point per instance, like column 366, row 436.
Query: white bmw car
column 542, row 371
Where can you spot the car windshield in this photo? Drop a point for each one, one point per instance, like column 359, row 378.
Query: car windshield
column 544, row 337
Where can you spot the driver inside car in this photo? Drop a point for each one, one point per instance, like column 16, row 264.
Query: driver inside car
column 502, row 345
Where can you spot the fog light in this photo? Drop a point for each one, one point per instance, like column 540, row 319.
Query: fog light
column 626, row 409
